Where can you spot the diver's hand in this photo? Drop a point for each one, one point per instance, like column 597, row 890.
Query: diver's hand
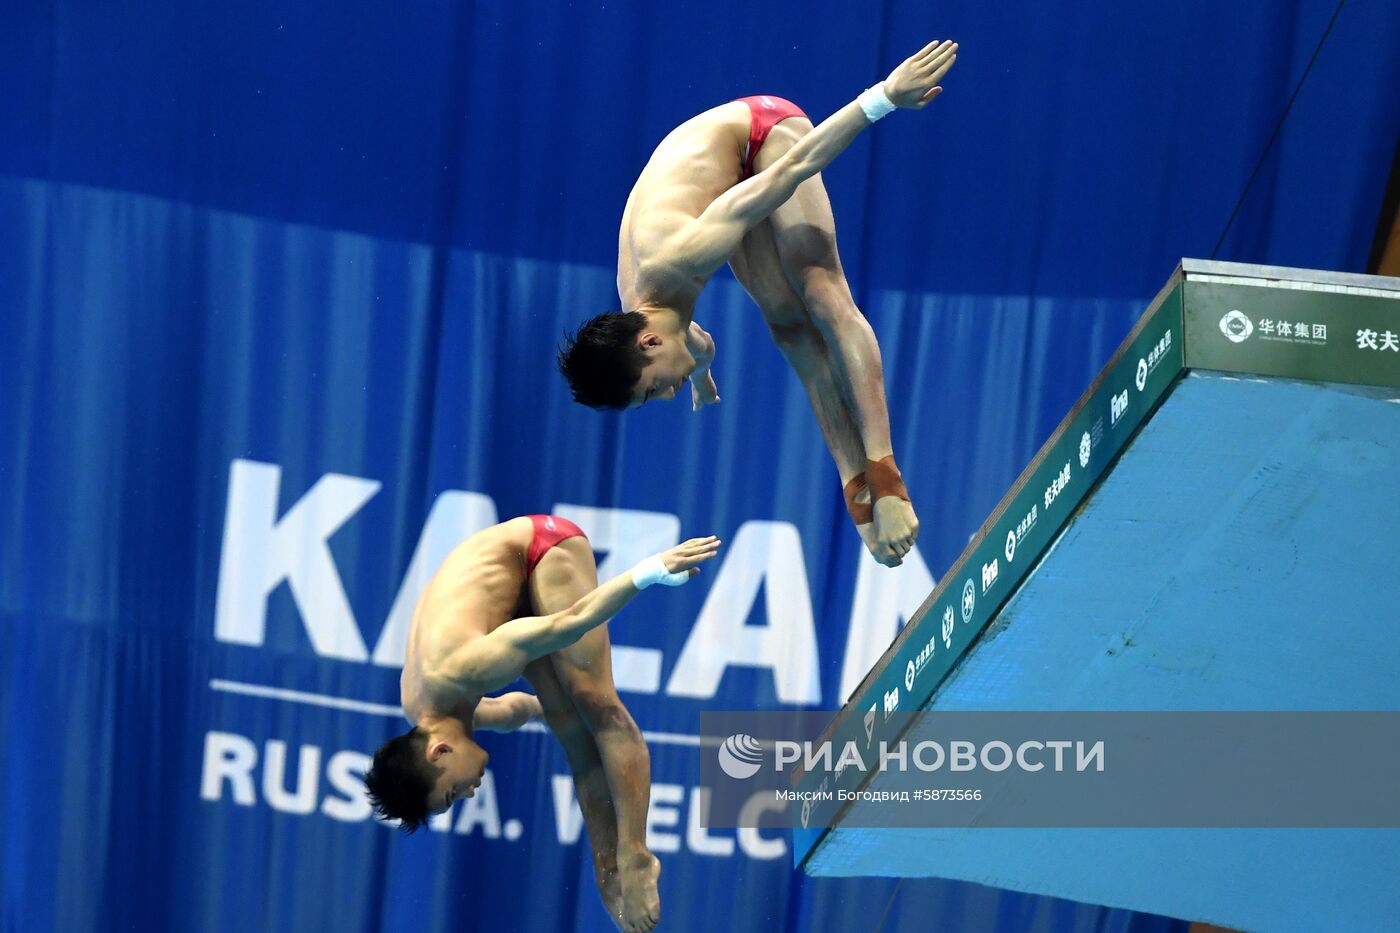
column 703, row 390
column 507, row 712
column 914, row 82
column 687, row 556
column 701, row 346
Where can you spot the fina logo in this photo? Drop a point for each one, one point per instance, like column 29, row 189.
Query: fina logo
column 740, row 755
column 1236, row 327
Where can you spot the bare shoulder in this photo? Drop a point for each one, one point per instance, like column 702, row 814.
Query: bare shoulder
column 658, row 221
column 651, row 269
column 443, row 689
column 663, row 275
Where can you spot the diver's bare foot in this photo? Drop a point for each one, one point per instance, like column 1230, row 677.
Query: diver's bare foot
column 641, row 902
column 871, row 541
column 896, row 529
column 870, row 535
column 610, row 890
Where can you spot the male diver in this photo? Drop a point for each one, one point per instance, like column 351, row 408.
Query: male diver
column 739, row 184
column 523, row 597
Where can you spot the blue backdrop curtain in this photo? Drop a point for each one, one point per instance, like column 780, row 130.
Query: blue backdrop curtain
column 256, row 255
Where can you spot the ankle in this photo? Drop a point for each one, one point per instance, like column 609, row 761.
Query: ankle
column 884, row 479
column 634, row 859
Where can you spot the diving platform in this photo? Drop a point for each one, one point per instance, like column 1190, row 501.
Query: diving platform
column 1212, row 527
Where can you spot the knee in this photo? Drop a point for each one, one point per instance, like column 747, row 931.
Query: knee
column 796, row 337
column 566, row 723
column 828, row 300
column 603, row 711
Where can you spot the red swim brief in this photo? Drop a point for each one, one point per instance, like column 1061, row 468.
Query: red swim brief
column 766, row 113
column 549, row 531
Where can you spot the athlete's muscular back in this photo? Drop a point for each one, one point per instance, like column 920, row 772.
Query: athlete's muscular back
column 479, row 586
column 696, row 163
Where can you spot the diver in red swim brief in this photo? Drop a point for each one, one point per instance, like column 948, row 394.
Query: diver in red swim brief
column 740, row 183
column 487, row 617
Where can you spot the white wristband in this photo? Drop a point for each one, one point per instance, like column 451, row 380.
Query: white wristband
column 653, row 570
column 875, row 102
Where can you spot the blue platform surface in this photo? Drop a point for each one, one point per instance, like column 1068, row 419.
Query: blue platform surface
column 1241, row 555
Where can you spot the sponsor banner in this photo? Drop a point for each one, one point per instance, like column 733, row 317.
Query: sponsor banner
column 1057, row 769
column 1020, row 530
column 1293, row 332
